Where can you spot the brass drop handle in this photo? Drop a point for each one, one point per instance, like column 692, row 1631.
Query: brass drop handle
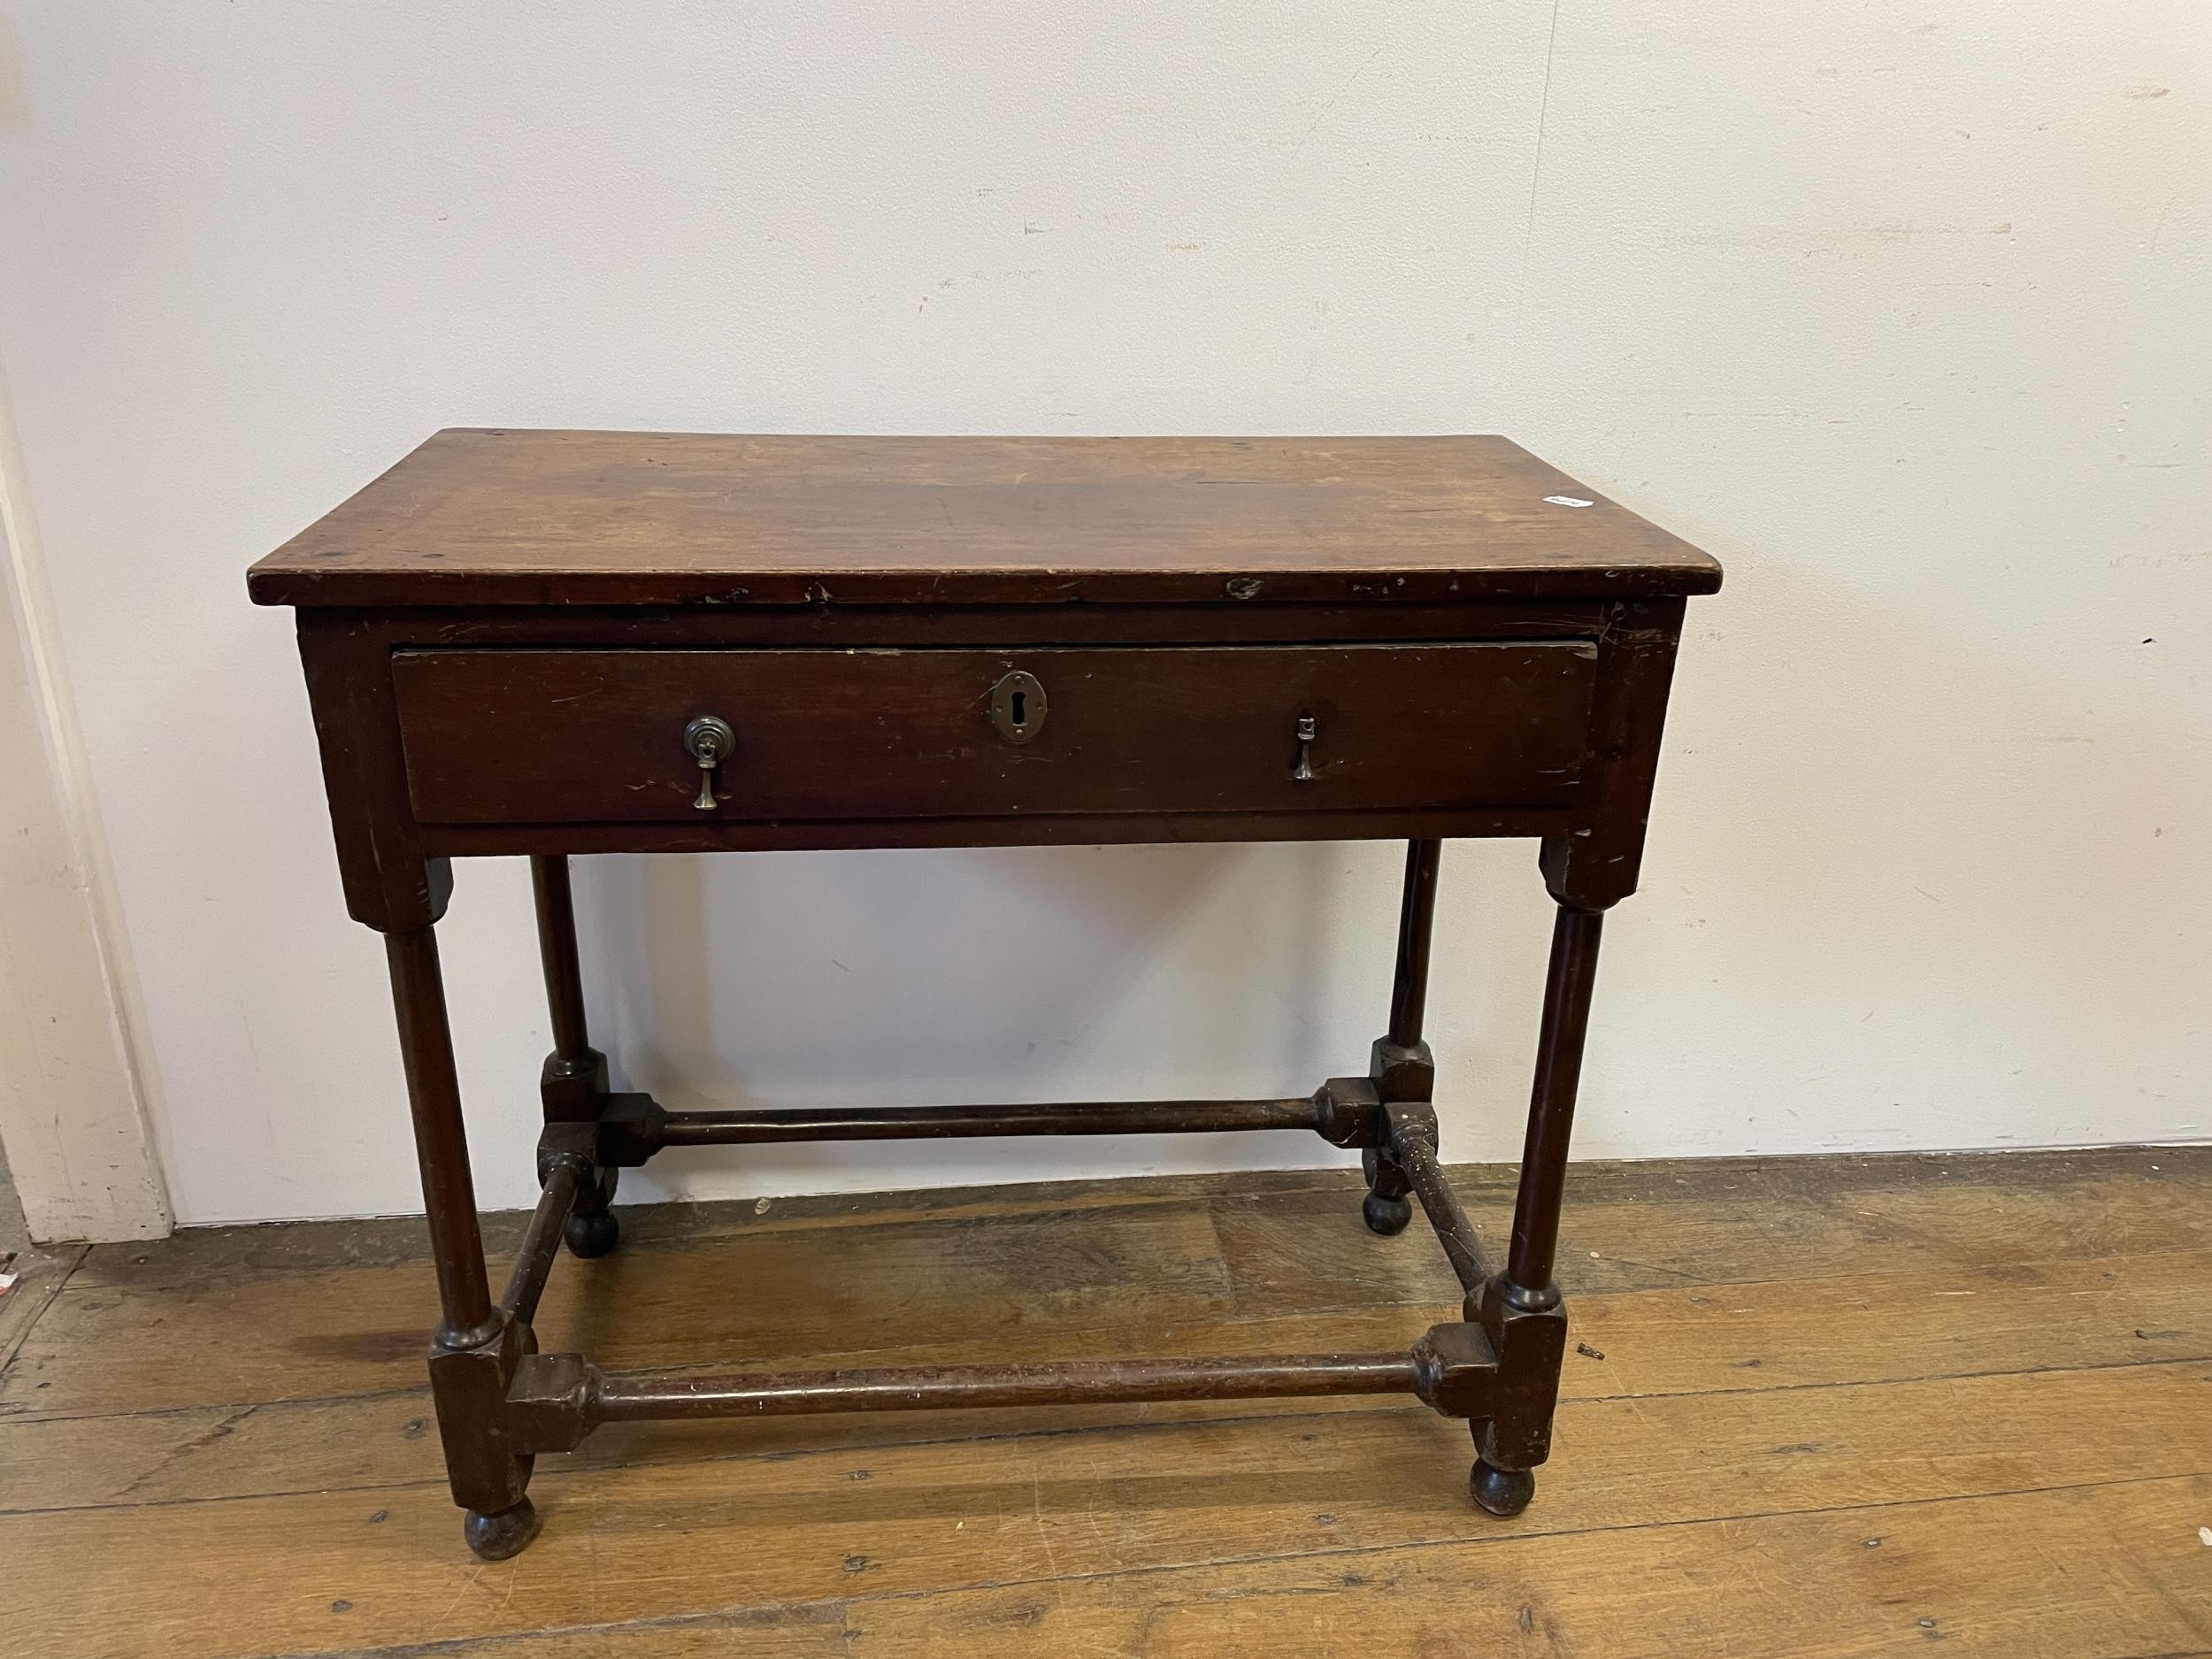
column 709, row 741
column 1308, row 727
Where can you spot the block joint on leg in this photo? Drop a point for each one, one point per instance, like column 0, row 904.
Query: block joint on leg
column 1403, row 1075
column 1515, row 1437
column 576, row 1097
column 489, row 1478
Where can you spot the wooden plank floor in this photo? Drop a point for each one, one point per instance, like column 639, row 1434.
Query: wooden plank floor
column 1819, row 1407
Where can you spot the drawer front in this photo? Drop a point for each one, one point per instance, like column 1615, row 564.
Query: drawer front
column 508, row 736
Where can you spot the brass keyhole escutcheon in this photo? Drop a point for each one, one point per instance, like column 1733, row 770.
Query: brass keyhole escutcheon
column 1017, row 706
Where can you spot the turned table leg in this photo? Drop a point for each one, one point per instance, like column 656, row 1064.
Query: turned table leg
column 473, row 1352
column 574, row 1082
column 1521, row 1307
column 1401, row 1067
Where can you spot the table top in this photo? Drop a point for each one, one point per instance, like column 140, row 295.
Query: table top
column 505, row 517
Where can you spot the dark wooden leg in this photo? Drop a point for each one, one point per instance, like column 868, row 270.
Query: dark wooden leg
column 475, row 1348
column 1400, row 1064
column 1416, row 916
column 574, row 1082
column 1551, row 1110
column 1521, row 1306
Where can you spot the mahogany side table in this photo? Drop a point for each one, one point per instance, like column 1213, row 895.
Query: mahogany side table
column 556, row 643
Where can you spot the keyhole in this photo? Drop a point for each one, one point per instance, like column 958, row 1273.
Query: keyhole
column 1018, row 706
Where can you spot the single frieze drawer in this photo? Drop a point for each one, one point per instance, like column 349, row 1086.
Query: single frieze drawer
column 495, row 736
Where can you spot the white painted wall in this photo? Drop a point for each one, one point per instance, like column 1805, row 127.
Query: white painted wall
column 1900, row 308
column 72, row 1112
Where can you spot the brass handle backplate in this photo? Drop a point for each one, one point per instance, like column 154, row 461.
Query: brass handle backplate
column 709, row 741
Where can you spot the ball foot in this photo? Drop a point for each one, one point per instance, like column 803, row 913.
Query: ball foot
column 1501, row 1491
column 590, row 1236
column 1385, row 1215
column 497, row 1536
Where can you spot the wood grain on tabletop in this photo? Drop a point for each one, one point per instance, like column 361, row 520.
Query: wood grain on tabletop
column 519, row 516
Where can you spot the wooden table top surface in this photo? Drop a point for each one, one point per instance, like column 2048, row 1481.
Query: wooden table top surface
column 498, row 517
